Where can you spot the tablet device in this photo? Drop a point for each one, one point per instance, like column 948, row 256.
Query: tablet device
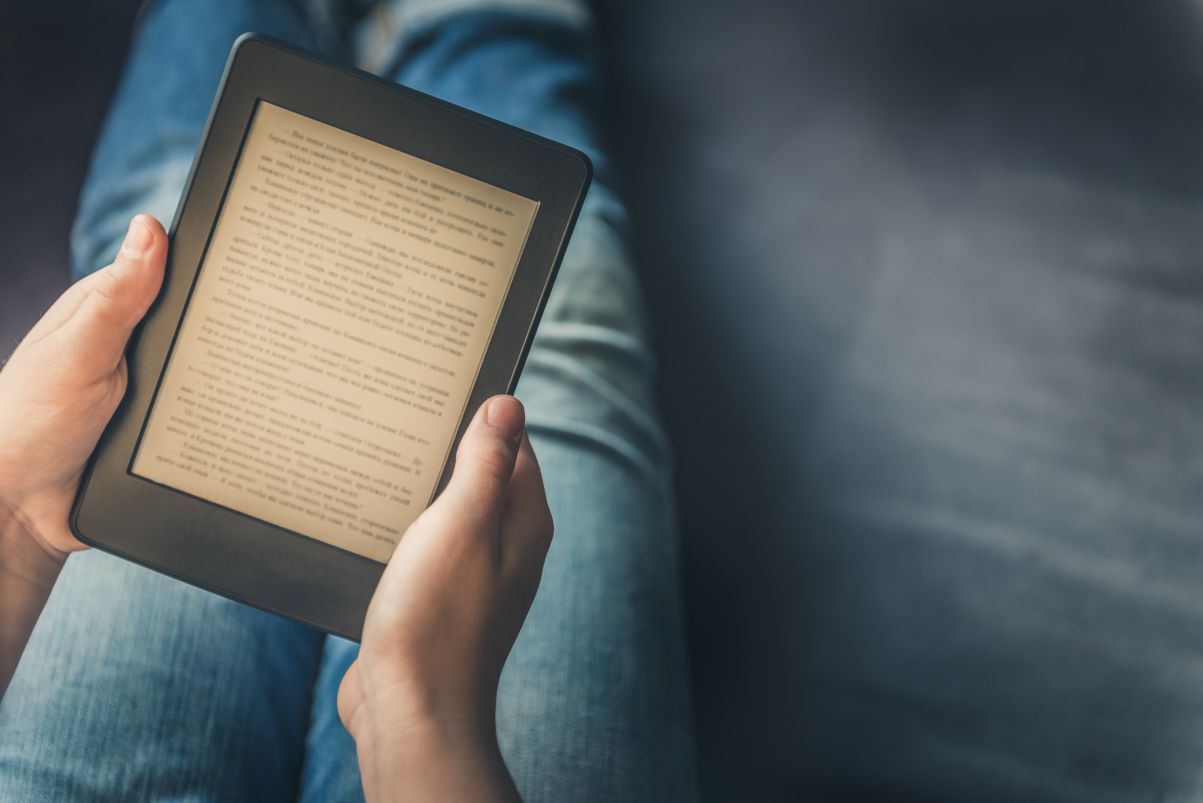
column 354, row 267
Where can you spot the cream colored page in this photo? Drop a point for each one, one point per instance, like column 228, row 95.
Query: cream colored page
column 335, row 331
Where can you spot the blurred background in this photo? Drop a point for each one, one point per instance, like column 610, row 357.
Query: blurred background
column 928, row 286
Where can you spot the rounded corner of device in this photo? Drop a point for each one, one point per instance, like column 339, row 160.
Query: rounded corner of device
column 74, row 525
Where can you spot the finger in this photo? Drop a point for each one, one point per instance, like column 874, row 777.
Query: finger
column 120, row 295
column 526, row 523
column 484, row 462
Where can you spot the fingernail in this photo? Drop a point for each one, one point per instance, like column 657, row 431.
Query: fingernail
column 138, row 239
column 506, row 414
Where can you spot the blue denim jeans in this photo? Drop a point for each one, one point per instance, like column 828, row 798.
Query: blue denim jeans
column 135, row 686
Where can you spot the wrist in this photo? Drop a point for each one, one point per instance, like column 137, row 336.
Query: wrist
column 393, row 727
column 23, row 554
column 400, row 739
column 432, row 760
column 27, row 575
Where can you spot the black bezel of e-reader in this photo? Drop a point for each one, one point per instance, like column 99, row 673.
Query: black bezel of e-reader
column 233, row 554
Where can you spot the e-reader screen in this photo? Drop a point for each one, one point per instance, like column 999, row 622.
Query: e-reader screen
column 335, row 330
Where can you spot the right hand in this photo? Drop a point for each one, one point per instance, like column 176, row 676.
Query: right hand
column 57, row 393
column 62, row 384
column 420, row 699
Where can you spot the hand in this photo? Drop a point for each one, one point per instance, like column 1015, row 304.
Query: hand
column 421, row 698
column 57, row 392
column 62, row 384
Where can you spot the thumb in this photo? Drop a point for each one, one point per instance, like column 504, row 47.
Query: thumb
column 121, row 293
column 485, row 459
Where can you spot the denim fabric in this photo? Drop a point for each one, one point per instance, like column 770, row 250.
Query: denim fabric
column 135, row 686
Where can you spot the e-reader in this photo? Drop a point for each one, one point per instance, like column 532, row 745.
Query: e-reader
column 354, row 267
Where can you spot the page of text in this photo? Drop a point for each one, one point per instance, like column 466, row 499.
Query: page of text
column 335, row 331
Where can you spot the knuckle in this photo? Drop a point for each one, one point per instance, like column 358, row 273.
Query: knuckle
column 108, row 305
column 109, row 286
column 495, row 458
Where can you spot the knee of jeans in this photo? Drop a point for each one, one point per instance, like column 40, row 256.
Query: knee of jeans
column 132, row 622
column 107, row 207
column 590, row 372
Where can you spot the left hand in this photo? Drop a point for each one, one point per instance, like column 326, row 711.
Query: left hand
column 63, row 383
column 421, row 697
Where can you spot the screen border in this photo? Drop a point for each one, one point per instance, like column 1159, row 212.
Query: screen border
column 462, row 419
column 235, row 554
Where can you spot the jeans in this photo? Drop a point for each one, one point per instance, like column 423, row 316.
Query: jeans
column 135, row 686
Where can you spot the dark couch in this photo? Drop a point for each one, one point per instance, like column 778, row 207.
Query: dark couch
column 927, row 281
